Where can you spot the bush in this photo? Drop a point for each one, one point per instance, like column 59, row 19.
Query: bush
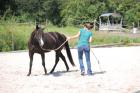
column 5, row 41
column 14, row 36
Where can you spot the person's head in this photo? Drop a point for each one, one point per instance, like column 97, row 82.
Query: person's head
column 88, row 25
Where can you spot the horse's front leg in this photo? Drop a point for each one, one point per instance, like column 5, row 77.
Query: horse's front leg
column 43, row 62
column 31, row 61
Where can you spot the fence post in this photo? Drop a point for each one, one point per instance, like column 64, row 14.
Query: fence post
column 94, row 25
column 12, row 41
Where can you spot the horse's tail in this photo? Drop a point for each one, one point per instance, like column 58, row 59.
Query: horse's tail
column 69, row 53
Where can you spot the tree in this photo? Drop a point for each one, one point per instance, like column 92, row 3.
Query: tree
column 7, row 6
column 52, row 10
column 69, row 12
column 130, row 9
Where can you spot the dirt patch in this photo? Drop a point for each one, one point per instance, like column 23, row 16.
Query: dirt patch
column 119, row 73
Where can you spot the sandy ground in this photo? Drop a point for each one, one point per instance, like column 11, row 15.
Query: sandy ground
column 119, row 73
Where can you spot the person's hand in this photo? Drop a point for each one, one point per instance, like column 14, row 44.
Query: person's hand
column 68, row 38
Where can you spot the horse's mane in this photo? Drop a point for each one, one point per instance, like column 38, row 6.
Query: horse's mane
column 31, row 38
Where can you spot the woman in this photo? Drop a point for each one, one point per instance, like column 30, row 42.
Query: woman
column 85, row 37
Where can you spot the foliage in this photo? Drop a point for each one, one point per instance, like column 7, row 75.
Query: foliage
column 69, row 12
column 14, row 36
column 68, row 15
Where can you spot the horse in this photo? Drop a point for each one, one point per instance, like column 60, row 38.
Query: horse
column 41, row 42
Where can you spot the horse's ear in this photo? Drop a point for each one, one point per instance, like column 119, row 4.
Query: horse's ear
column 37, row 27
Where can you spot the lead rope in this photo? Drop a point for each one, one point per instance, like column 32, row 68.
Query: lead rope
column 55, row 48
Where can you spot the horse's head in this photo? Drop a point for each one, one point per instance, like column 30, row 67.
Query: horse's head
column 38, row 35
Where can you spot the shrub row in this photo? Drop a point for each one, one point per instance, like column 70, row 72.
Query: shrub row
column 14, row 36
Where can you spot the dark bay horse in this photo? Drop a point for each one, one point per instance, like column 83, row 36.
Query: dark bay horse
column 41, row 42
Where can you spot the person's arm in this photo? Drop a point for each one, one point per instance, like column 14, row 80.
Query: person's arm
column 75, row 36
column 90, row 39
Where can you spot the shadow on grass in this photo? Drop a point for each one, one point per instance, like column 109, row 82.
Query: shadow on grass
column 101, row 72
column 137, row 91
column 95, row 73
column 60, row 73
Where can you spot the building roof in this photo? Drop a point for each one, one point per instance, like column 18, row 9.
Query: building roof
column 110, row 14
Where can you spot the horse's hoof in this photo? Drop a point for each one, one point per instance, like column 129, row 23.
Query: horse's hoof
column 67, row 69
column 28, row 74
column 51, row 72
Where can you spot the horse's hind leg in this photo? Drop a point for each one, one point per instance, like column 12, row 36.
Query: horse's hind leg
column 43, row 62
column 56, row 62
column 63, row 58
column 31, row 61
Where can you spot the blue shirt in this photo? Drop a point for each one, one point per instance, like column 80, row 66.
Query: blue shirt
column 85, row 35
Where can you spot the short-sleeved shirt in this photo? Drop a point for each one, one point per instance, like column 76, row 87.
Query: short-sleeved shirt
column 84, row 37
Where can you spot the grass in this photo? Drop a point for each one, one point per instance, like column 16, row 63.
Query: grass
column 14, row 36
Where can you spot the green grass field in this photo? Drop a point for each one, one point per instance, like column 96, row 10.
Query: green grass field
column 14, row 36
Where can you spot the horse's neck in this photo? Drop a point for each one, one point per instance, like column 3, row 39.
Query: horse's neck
column 32, row 40
column 51, row 36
